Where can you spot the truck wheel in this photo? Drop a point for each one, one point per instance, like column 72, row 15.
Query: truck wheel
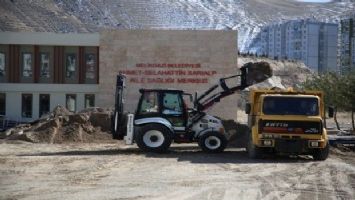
column 212, row 142
column 321, row 154
column 154, row 138
column 253, row 150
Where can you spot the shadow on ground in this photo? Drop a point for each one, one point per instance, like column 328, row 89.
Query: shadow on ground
column 184, row 154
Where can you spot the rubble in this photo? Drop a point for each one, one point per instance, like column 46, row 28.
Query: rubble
column 62, row 126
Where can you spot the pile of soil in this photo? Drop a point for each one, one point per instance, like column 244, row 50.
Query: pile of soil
column 238, row 133
column 63, row 126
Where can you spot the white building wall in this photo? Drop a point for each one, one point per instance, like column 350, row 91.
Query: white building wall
column 271, row 49
column 278, row 41
column 312, row 46
column 57, row 94
column 44, row 38
column 264, row 36
column 57, row 99
column 288, row 39
column 13, row 105
column 330, row 53
column 300, row 40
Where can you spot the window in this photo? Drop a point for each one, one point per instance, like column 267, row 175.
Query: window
column 2, row 104
column 290, row 106
column 27, row 65
column 71, row 102
column 90, row 62
column 172, row 103
column 149, row 102
column 27, row 105
column 173, row 108
column 89, row 100
column 70, row 65
column 44, row 102
column 44, row 65
column 2, row 64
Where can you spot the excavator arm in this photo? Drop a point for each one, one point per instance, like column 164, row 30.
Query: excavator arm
column 251, row 73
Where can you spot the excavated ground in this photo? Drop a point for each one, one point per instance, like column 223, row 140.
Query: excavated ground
column 114, row 171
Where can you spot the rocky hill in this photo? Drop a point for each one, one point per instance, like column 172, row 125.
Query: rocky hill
column 92, row 15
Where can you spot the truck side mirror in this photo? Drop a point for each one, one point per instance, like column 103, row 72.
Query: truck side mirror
column 330, row 112
column 247, row 108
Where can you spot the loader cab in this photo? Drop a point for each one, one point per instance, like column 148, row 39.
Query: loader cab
column 167, row 104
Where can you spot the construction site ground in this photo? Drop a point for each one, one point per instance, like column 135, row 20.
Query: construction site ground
column 115, row 171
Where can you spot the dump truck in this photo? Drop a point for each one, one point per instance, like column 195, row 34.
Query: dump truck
column 162, row 116
column 287, row 122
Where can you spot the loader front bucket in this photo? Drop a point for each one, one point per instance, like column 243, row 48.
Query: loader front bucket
column 257, row 72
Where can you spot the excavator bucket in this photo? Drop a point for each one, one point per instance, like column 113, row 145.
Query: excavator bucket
column 257, row 72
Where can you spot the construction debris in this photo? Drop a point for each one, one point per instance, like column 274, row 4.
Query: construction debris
column 62, row 126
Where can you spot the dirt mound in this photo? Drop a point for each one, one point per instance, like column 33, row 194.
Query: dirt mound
column 61, row 126
column 238, row 133
column 285, row 73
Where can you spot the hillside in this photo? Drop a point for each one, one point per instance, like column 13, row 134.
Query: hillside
column 92, row 15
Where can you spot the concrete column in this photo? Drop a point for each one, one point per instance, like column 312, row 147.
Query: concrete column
column 13, row 105
column 35, row 105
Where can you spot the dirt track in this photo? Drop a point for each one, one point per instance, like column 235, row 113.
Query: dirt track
column 112, row 171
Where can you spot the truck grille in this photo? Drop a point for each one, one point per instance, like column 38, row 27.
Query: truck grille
column 295, row 127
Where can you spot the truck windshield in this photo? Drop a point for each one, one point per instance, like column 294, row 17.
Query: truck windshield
column 290, row 106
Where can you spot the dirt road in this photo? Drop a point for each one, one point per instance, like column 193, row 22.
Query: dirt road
column 112, row 171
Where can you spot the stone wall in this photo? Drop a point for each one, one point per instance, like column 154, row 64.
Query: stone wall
column 190, row 60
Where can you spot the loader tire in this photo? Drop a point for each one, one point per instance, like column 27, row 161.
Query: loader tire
column 154, row 138
column 213, row 142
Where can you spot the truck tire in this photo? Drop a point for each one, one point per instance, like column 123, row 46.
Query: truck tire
column 253, row 150
column 154, row 138
column 213, row 142
column 321, row 154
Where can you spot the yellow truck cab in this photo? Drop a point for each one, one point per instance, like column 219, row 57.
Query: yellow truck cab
column 287, row 122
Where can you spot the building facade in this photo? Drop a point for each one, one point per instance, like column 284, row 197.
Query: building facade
column 314, row 43
column 39, row 71
column 190, row 60
column 347, row 45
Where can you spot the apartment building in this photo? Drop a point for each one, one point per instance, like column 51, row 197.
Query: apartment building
column 264, row 42
column 314, row 43
column 347, row 45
